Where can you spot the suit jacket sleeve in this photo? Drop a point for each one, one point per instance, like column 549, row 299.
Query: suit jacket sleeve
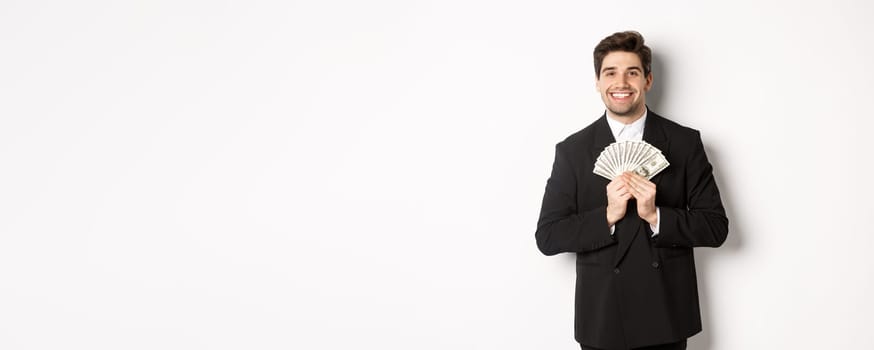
column 562, row 226
column 703, row 222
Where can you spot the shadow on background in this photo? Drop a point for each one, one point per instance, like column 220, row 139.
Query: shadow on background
column 660, row 83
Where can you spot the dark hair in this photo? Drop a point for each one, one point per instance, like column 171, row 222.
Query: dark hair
column 628, row 41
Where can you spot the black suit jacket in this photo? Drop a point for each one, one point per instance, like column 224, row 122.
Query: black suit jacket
column 632, row 289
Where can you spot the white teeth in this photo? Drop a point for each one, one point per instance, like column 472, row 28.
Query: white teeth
column 621, row 95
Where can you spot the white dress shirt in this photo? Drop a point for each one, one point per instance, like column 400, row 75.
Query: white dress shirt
column 632, row 132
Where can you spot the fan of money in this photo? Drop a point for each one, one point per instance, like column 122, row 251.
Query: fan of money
column 636, row 156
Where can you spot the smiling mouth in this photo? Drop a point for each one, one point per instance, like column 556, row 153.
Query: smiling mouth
column 620, row 94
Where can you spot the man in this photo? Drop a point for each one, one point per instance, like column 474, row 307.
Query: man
column 636, row 283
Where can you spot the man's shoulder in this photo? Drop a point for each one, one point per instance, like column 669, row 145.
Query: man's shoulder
column 674, row 130
column 672, row 126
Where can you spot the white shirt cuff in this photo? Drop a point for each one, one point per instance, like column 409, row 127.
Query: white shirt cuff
column 655, row 229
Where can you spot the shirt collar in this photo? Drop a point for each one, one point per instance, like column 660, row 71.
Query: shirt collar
column 635, row 128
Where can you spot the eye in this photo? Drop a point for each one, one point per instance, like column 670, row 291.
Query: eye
column 634, row 73
column 609, row 74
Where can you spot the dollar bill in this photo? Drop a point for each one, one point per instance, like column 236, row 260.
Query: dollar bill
column 652, row 167
column 637, row 156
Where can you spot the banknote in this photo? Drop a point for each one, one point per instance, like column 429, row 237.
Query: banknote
column 636, row 156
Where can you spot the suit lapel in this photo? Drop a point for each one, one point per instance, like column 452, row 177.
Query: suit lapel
column 629, row 226
column 602, row 137
column 654, row 134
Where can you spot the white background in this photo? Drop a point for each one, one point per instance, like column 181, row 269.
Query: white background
column 368, row 174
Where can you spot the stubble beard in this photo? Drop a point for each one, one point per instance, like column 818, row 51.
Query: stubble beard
column 631, row 111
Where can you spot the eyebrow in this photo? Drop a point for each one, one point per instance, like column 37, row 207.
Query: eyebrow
column 607, row 69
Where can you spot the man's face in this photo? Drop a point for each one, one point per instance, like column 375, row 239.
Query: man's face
column 623, row 85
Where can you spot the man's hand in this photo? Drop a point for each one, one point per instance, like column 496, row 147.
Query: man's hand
column 644, row 191
column 617, row 199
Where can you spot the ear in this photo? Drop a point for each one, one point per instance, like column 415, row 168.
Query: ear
column 648, row 82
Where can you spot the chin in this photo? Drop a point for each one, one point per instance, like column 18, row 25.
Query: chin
column 622, row 113
column 630, row 111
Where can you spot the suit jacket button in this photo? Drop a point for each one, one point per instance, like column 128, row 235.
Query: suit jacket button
column 655, row 264
column 616, row 270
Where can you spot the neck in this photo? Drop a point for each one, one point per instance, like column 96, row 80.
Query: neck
column 626, row 119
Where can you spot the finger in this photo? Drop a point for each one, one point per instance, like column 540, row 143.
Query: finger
column 634, row 191
column 637, row 179
column 639, row 189
column 617, row 194
column 619, row 186
column 642, row 191
column 618, row 181
column 622, row 190
column 641, row 183
column 633, row 184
